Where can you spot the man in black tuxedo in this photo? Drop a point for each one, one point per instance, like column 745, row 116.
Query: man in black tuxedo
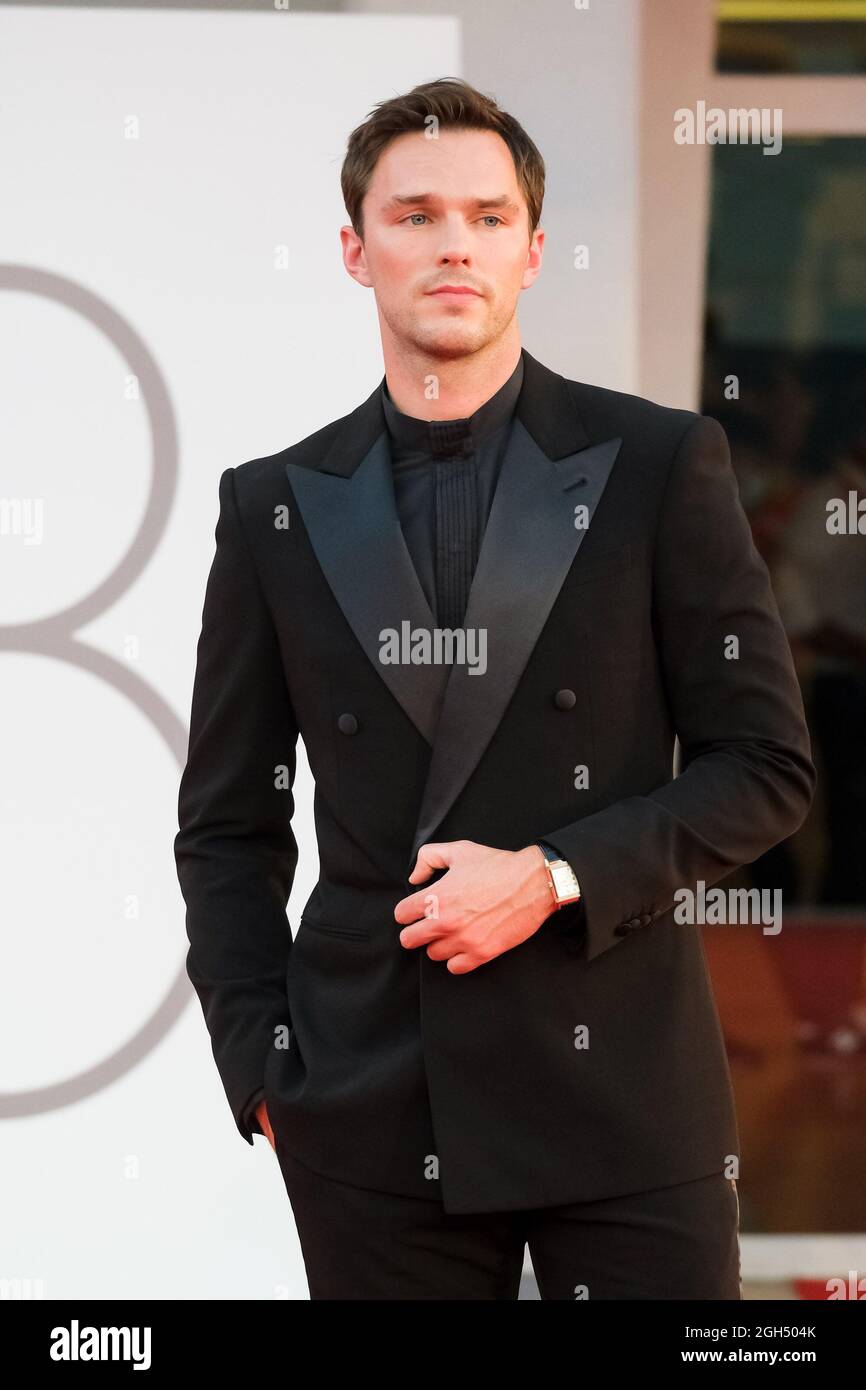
column 489, row 599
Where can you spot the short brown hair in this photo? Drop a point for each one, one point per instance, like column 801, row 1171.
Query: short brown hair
column 454, row 103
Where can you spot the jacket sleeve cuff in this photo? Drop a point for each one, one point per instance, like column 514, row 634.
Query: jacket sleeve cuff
column 249, row 1124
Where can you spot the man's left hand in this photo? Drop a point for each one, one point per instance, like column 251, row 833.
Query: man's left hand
column 488, row 902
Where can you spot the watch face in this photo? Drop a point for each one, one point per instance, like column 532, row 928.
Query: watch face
column 564, row 881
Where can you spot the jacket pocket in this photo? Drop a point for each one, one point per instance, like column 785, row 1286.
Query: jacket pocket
column 349, row 933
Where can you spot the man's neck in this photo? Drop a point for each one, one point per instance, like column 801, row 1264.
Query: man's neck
column 429, row 388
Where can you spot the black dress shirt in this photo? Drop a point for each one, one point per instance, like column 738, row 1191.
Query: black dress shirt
column 445, row 474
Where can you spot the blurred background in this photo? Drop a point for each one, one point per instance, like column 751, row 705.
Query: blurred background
column 174, row 303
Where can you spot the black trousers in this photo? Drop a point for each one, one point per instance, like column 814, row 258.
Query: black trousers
column 679, row 1242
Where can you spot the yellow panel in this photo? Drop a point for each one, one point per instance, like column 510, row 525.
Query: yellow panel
column 791, row 9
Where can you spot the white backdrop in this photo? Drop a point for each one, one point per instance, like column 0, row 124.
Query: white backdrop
column 153, row 166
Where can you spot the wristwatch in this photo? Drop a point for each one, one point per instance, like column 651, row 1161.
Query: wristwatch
column 563, row 880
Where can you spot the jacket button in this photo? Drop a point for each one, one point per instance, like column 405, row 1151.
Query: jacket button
column 565, row 699
column 347, row 724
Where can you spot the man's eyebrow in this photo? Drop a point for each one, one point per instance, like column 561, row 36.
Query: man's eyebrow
column 401, row 200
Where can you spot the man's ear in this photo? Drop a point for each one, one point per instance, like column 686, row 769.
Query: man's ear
column 354, row 256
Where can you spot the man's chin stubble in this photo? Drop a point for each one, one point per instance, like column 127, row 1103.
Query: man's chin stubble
column 447, row 346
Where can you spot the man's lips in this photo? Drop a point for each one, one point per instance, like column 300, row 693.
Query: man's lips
column 455, row 289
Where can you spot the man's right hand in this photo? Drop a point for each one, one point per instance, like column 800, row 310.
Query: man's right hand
column 262, row 1117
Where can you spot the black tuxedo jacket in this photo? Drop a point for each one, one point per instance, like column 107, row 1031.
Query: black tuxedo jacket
column 616, row 567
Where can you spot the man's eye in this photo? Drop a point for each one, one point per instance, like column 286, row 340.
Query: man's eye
column 486, row 218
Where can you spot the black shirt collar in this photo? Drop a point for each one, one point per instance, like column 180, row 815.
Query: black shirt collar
column 445, row 438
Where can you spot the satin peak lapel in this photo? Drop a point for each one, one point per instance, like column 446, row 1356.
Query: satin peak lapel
column 532, row 536
column 355, row 532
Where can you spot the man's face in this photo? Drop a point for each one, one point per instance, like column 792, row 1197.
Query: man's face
column 447, row 211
